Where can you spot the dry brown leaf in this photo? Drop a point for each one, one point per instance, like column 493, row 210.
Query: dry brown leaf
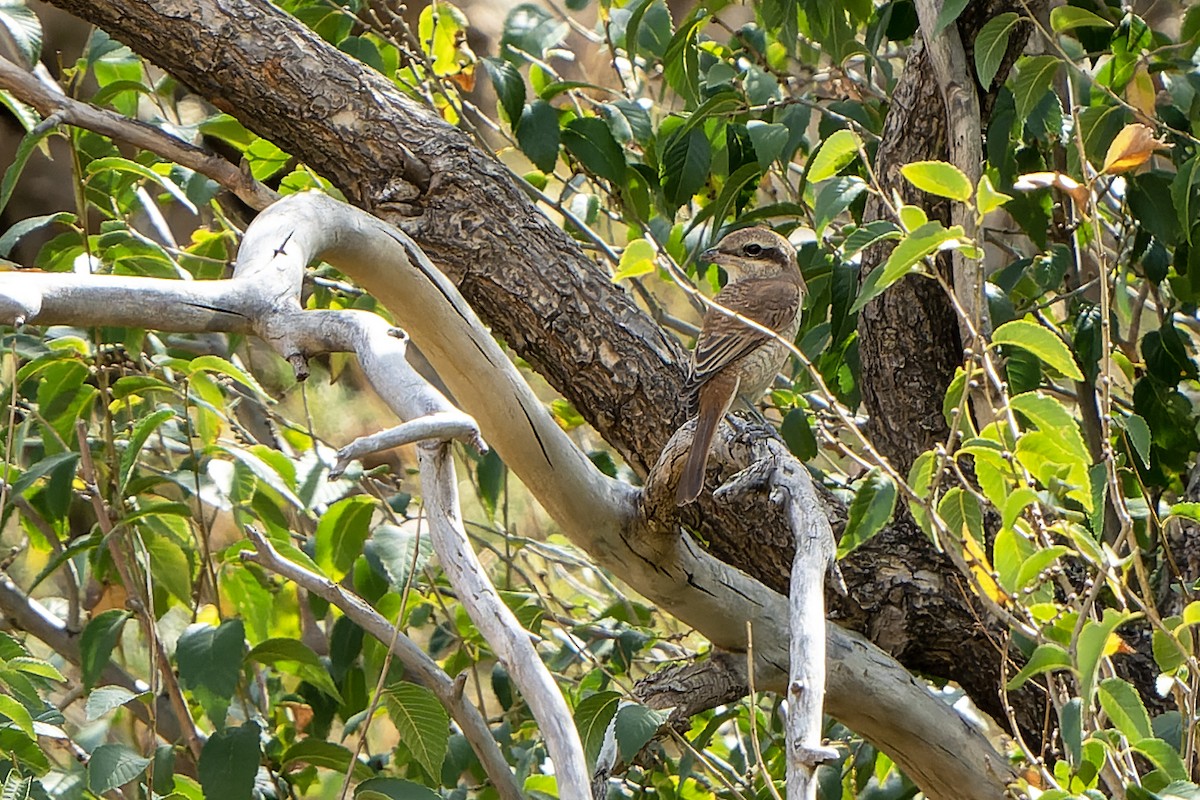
column 1133, row 147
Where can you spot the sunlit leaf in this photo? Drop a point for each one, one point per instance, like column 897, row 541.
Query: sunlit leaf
column 938, row 178
column 1133, row 147
column 1040, row 341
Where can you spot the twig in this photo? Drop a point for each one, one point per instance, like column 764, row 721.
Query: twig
column 48, row 102
column 136, row 599
column 415, row 661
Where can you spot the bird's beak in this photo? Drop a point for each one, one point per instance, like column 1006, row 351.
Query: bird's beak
column 709, row 256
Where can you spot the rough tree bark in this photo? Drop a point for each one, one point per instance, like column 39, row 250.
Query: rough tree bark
column 549, row 302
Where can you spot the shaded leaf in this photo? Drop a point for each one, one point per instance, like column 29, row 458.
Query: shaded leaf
column 112, row 766
column 872, row 508
column 229, row 762
column 990, row 45
column 96, row 642
column 421, row 721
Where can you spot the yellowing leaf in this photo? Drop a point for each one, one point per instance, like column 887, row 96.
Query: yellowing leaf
column 1133, row 147
column 636, row 260
column 939, row 178
column 981, row 568
column 987, row 199
column 1140, row 92
column 835, row 153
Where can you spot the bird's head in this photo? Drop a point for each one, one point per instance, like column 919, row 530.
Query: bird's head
column 752, row 252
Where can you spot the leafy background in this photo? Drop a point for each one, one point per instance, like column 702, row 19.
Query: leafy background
column 134, row 458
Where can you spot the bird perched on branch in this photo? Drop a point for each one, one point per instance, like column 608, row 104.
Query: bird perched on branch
column 732, row 358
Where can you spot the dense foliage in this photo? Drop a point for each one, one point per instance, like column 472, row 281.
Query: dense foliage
column 134, row 458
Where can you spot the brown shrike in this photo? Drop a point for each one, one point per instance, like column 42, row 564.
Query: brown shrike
column 731, row 358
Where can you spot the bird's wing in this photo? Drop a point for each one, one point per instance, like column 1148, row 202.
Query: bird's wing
column 771, row 302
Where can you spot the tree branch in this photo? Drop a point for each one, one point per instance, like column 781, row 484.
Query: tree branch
column 415, row 661
column 599, row 514
column 50, row 101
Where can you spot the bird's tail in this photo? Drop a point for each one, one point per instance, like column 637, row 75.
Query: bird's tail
column 714, row 402
column 691, row 480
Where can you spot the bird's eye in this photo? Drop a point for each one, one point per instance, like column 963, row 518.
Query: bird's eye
column 752, row 249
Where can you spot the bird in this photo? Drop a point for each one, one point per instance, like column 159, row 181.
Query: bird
column 731, row 358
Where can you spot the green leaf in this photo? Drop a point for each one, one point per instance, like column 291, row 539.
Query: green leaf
column 393, row 789
column 951, row 9
column 686, row 160
column 390, row 551
column 592, row 717
column 1036, row 563
column 1071, row 718
column 1186, row 510
column 422, row 722
column 341, row 532
column 18, row 715
column 990, row 45
column 212, row 657
column 1034, row 74
column 225, row 367
column 119, row 164
column 25, row 149
column 637, row 259
column 1183, row 193
column 834, row 197
column 96, row 643
column 26, row 226
column 111, row 766
column 960, row 511
column 873, row 232
column 327, row 755
column 142, row 431
column 593, row 145
column 1046, row 658
column 104, row 699
column 1065, row 18
column 1094, row 642
column 636, row 726
column 36, row 666
column 509, row 86
column 490, row 473
column 838, row 150
column 987, row 199
column 24, row 31
column 229, row 762
column 939, row 178
column 918, row 244
column 169, row 565
column 1124, row 708
column 42, row 468
column 1139, row 437
column 872, row 508
column 797, row 433
column 769, row 139
column 538, row 135
column 1166, row 758
column 295, row 658
column 1040, row 341
column 1052, row 417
